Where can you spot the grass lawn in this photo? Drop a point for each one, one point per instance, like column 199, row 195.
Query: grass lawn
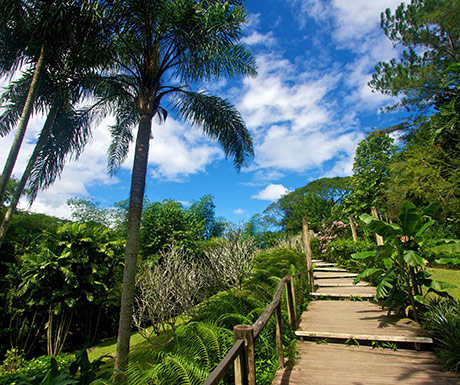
column 447, row 275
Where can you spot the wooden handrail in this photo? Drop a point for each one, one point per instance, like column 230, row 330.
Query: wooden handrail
column 242, row 352
column 219, row 371
column 268, row 312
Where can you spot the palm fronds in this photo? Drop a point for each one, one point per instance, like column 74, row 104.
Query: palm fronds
column 220, row 120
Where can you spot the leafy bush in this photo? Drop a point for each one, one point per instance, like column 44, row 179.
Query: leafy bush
column 442, row 322
column 340, row 251
column 270, row 266
column 60, row 370
column 399, row 264
column 28, row 370
column 187, row 358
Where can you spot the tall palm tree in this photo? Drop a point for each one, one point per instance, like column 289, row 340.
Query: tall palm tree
column 33, row 33
column 159, row 48
column 63, row 85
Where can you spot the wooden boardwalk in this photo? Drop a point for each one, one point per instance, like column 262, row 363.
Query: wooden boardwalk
column 325, row 356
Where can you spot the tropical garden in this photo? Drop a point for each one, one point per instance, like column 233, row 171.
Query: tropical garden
column 169, row 281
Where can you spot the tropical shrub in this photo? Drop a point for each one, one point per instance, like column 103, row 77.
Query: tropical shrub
column 441, row 321
column 59, row 370
column 340, row 251
column 404, row 255
column 65, row 286
column 270, row 267
column 187, row 358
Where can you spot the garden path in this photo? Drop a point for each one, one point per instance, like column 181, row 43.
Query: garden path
column 348, row 341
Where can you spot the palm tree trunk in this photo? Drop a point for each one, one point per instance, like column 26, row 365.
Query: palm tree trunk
column 22, row 126
column 136, row 200
column 25, row 176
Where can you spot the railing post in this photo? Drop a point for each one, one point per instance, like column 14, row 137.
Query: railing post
column 245, row 365
column 306, row 237
column 291, row 304
column 279, row 333
column 301, row 299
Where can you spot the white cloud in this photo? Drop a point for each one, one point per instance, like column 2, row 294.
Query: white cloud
column 271, row 193
column 257, row 38
column 178, row 151
column 239, row 211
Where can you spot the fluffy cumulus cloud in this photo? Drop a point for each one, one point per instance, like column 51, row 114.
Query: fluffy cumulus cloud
column 239, row 211
column 293, row 123
column 271, row 193
column 178, row 150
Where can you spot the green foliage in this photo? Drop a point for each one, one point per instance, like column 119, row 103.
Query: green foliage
column 205, row 209
column 430, row 33
column 60, row 370
column 340, row 251
column 427, row 171
column 169, row 223
column 313, row 201
column 442, row 322
column 187, row 359
column 270, row 266
column 74, row 272
column 371, row 173
column 404, row 255
column 33, row 370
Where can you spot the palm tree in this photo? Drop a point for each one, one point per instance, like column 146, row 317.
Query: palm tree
column 159, row 47
column 33, row 33
column 66, row 130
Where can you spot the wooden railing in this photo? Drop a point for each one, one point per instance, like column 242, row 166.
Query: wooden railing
column 241, row 355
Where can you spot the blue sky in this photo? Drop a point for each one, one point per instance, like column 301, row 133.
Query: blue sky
column 307, row 110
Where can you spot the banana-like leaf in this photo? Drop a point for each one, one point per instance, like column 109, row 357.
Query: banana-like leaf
column 440, row 285
column 421, row 299
column 409, row 218
column 364, row 254
column 453, row 247
column 366, row 273
column 445, row 261
column 412, row 259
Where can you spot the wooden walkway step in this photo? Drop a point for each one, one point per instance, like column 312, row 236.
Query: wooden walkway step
column 326, row 274
column 316, row 261
column 333, row 364
column 339, row 282
column 324, row 264
column 330, row 269
column 345, row 292
column 359, row 320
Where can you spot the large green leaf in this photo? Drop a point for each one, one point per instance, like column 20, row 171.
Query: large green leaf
column 364, row 254
column 366, row 273
column 445, row 261
column 453, row 247
column 409, row 219
column 440, row 285
column 412, row 259
column 431, row 209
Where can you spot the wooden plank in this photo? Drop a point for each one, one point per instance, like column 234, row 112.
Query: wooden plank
column 342, row 283
column 331, row 269
column 324, row 264
column 344, row 296
column 333, row 275
column 353, row 291
column 332, row 364
column 356, row 317
column 364, row 337
column 316, row 260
